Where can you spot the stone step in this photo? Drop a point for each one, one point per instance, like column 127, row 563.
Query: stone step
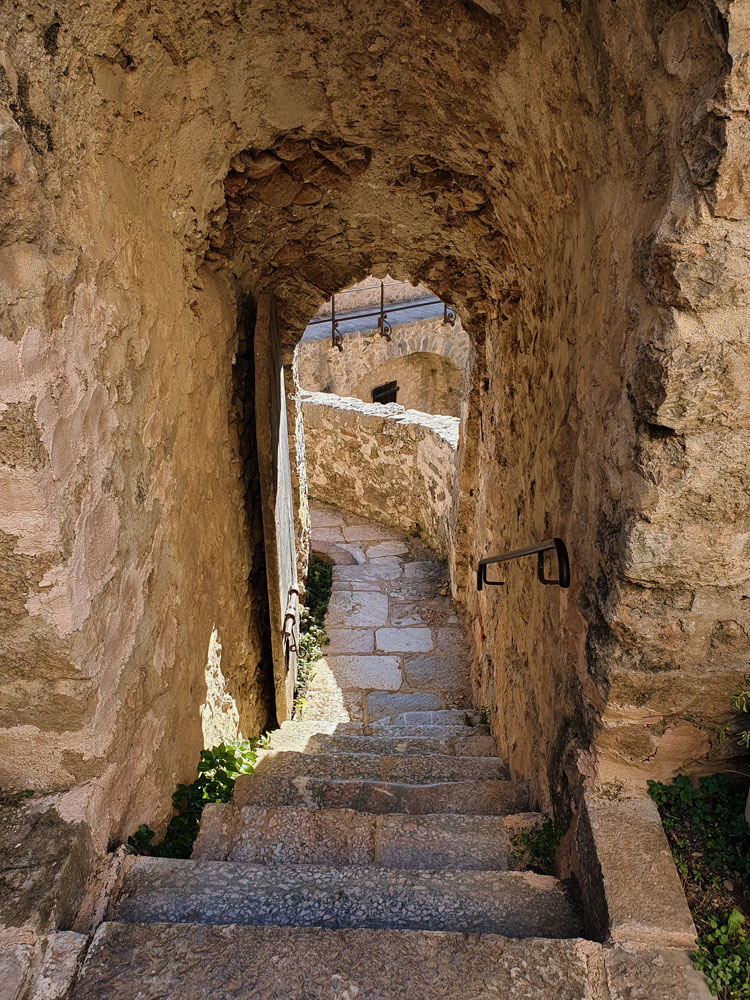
column 413, row 769
column 438, row 717
column 284, row 835
column 384, row 729
column 473, row 744
column 517, row 904
column 479, row 798
column 202, row 962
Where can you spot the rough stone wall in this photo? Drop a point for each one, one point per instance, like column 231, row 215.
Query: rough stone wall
column 352, row 372
column 676, row 624
column 427, row 382
column 612, row 440
column 125, row 541
column 569, row 174
column 385, row 462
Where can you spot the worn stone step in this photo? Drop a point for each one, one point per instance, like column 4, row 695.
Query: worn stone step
column 480, row 798
column 201, row 962
column 517, row 904
column 385, row 729
column 473, row 744
column 285, row 835
column 415, row 770
column 438, row 717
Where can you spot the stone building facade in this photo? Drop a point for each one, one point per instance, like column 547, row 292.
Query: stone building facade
column 572, row 175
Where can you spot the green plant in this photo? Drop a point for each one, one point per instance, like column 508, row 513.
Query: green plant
column 535, row 847
column 318, row 586
column 483, row 717
column 312, row 635
column 218, row 769
column 723, row 956
column 705, row 819
column 14, row 799
column 710, row 842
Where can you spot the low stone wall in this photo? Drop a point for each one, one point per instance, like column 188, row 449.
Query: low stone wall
column 384, row 462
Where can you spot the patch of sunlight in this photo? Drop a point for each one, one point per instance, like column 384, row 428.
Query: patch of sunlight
column 220, row 718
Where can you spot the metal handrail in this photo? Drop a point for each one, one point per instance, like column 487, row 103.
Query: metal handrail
column 563, row 563
column 384, row 327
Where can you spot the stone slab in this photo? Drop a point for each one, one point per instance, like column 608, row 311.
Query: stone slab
column 323, row 517
column 44, row 865
column 647, row 974
column 369, row 672
column 433, row 611
column 326, row 534
column 478, row 745
column 519, row 904
column 404, row 640
column 430, row 730
column 643, row 901
column 350, row 640
column 357, row 610
column 437, row 672
column 394, row 548
column 480, row 798
column 437, row 717
column 370, row 533
column 62, row 961
column 357, row 554
column 429, row 571
column 15, row 970
column 368, row 573
column 201, row 962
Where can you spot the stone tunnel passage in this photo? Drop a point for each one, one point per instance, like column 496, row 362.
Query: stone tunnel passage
column 569, row 175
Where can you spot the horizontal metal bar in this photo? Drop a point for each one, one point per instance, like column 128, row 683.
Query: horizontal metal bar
column 390, row 307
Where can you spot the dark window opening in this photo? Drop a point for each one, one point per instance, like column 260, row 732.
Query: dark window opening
column 385, row 393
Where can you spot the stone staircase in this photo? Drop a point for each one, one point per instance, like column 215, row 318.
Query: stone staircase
column 357, row 862
column 369, row 855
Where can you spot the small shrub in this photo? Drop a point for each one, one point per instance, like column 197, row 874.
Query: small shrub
column 14, row 799
column 536, row 847
column 218, row 769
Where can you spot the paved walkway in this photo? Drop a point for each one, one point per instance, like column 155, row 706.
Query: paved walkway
column 396, row 644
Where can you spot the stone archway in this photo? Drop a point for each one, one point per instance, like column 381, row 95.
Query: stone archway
column 584, row 207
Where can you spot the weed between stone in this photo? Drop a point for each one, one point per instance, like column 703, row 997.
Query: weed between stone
column 218, row 769
column 710, row 842
column 535, row 848
column 14, row 799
